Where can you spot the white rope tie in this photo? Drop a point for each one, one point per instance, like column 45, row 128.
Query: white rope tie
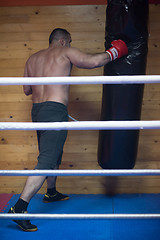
column 78, row 216
column 73, row 119
column 81, row 125
column 134, row 79
column 123, row 172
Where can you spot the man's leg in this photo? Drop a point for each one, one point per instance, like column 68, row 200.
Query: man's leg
column 51, row 146
column 52, row 194
column 51, row 180
column 33, row 184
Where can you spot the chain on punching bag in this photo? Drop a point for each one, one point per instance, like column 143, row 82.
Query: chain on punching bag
column 126, row 20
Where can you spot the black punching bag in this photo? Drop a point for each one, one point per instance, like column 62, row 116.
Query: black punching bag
column 126, row 20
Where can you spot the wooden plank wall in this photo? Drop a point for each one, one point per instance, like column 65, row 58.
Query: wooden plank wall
column 25, row 30
column 5, row 3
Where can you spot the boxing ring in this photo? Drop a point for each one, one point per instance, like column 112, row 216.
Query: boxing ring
column 82, row 125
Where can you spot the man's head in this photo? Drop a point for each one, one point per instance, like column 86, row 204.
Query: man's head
column 60, row 35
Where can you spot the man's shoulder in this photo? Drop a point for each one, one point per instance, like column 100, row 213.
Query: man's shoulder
column 36, row 54
column 71, row 51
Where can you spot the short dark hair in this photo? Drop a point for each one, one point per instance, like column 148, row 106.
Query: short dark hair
column 57, row 33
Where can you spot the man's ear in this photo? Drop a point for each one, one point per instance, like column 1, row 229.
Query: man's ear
column 62, row 41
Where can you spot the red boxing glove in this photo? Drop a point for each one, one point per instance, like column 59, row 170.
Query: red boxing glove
column 118, row 49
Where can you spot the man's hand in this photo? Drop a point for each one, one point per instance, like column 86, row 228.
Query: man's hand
column 27, row 89
column 118, row 49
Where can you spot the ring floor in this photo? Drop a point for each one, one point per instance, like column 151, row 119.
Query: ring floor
column 109, row 229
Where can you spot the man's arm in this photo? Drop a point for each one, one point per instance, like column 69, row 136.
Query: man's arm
column 86, row 60
column 89, row 61
column 27, row 88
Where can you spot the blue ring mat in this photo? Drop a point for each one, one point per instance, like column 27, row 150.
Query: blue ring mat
column 109, row 229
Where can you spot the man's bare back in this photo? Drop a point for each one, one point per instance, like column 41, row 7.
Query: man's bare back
column 50, row 62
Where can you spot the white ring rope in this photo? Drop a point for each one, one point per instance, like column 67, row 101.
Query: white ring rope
column 134, row 79
column 77, row 216
column 81, row 125
column 122, row 172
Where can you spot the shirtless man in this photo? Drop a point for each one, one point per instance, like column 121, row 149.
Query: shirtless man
column 50, row 105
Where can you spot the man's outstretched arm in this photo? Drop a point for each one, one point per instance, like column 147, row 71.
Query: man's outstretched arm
column 89, row 61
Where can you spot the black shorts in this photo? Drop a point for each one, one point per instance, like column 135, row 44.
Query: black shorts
column 50, row 142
